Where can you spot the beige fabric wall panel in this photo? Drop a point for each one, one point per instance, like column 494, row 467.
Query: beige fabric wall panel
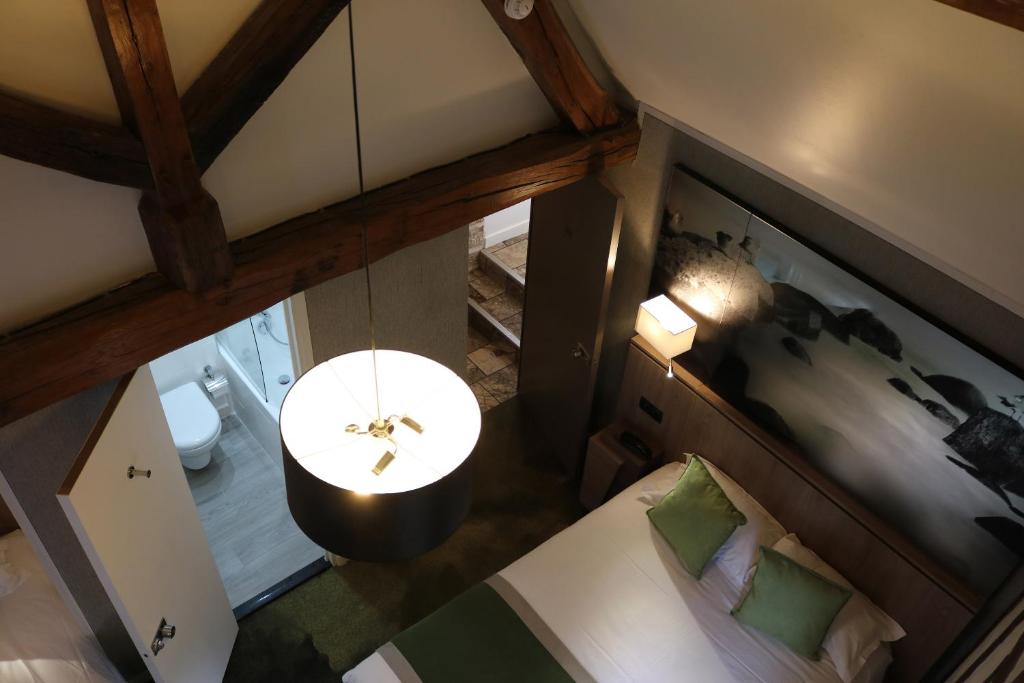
column 419, row 303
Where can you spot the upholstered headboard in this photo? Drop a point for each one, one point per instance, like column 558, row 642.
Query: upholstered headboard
column 931, row 605
column 7, row 521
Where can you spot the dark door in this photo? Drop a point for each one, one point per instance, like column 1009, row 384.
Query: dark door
column 574, row 236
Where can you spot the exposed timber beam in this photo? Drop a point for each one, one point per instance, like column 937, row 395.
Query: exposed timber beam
column 49, row 137
column 114, row 333
column 1007, row 12
column 250, row 67
column 555, row 64
column 182, row 221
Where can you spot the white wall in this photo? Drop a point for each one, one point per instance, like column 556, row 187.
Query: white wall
column 507, row 223
column 185, row 365
column 62, row 239
column 904, row 116
column 438, row 81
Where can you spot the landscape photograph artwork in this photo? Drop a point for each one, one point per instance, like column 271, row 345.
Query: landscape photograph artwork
column 922, row 429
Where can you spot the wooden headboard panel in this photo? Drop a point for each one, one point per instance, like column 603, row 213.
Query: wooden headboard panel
column 931, row 605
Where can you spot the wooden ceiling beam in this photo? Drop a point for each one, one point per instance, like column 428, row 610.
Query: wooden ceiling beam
column 117, row 332
column 246, row 72
column 182, row 221
column 49, row 137
column 556, row 65
column 1006, row 12
column 230, row 90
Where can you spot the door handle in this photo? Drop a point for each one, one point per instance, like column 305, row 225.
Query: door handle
column 579, row 352
column 134, row 471
column 163, row 632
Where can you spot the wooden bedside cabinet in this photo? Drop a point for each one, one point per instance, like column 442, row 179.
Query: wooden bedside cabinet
column 610, row 466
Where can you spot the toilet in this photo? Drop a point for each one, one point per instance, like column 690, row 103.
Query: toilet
column 195, row 424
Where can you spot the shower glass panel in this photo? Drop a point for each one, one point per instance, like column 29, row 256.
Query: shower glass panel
column 273, row 344
column 240, row 342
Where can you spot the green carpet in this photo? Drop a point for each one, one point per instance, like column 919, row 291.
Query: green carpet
column 329, row 624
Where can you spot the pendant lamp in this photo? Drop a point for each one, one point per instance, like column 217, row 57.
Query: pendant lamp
column 376, row 443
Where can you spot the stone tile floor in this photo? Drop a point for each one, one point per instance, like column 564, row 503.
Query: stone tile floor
column 512, row 253
column 492, row 370
column 492, row 366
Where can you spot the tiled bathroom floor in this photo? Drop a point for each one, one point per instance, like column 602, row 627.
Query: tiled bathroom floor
column 241, row 501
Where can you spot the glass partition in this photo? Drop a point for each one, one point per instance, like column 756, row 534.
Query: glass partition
column 240, row 341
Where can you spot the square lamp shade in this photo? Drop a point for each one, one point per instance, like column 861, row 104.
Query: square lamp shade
column 665, row 326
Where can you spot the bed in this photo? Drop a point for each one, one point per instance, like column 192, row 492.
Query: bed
column 612, row 603
column 609, row 601
column 40, row 640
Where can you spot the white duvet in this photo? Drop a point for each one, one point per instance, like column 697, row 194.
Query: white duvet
column 610, row 588
column 39, row 639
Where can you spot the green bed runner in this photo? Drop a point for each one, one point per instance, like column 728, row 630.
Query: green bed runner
column 478, row 638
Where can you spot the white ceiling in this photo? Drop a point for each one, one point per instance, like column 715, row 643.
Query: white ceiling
column 907, row 116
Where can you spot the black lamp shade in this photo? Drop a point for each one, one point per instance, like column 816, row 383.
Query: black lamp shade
column 377, row 527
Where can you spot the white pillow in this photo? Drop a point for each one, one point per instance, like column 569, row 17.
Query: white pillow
column 739, row 553
column 657, row 484
column 878, row 663
column 858, row 629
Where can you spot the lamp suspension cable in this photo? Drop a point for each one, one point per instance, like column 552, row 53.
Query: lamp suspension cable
column 362, row 200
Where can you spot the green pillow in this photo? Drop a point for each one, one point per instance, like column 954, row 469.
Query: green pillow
column 790, row 602
column 696, row 517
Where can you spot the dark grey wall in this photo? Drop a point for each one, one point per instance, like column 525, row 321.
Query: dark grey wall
column 36, row 453
column 642, row 185
column 644, row 182
column 419, row 301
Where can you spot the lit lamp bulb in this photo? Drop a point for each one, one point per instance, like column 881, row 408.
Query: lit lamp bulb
column 666, row 327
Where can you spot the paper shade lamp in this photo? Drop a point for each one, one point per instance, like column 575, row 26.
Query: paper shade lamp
column 375, row 489
column 666, row 327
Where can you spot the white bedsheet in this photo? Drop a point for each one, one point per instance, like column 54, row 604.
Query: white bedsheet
column 610, row 588
column 39, row 639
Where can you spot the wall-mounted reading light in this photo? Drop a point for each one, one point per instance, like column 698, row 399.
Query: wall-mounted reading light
column 666, row 327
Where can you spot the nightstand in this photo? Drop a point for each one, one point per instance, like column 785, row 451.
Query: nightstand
column 610, row 466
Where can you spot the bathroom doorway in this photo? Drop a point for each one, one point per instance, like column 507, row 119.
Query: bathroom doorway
column 497, row 286
column 222, row 398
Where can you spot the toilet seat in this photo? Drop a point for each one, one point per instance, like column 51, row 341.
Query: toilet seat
column 193, row 420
